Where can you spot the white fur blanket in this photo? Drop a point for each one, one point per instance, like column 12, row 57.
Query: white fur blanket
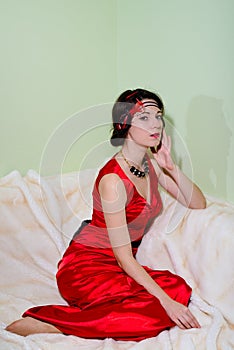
column 38, row 218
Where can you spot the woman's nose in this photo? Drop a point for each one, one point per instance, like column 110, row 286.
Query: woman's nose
column 157, row 123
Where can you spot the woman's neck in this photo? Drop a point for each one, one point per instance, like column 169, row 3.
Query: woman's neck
column 133, row 153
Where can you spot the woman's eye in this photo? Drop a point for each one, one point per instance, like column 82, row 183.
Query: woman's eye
column 144, row 117
column 159, row 117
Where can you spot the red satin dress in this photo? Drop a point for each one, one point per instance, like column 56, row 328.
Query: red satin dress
column 103, row 301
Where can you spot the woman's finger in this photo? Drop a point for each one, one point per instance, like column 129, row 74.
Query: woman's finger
column 189, row 320
column 179, row 323
column 164, row 138
column 193, row 321
column 169, row 143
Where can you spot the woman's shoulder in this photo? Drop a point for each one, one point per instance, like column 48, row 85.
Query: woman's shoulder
column 109, row 167
column 109, row 171
column 108, row 180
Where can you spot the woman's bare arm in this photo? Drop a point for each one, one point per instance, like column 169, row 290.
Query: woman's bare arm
column 113, row 196
column 174, row 181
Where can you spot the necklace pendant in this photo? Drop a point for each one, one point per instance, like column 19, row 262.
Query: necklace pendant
column 137, row 172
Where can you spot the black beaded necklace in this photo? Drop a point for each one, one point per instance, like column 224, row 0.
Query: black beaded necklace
column 136, row 171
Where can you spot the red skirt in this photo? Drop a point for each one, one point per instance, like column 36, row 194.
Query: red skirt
column 104, row 302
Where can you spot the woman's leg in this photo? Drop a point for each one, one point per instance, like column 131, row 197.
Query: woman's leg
column 29, row 325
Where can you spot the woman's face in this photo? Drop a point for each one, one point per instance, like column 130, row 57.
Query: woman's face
column 147, row 125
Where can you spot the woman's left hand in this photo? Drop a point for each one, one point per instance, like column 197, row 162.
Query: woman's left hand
column 163, row 156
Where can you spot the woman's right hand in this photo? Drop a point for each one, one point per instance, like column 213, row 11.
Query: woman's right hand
column 163, row 156
column 180, row 314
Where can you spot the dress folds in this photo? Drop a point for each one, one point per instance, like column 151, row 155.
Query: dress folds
column 103, row 301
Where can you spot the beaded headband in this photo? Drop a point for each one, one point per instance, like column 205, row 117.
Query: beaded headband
column 138, row 106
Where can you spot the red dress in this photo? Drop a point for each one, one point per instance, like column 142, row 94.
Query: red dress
column 103, row 301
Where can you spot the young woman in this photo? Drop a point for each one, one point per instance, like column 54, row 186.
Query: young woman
column 109, row 294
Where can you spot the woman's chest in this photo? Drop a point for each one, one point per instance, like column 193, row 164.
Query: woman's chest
column 142, row 187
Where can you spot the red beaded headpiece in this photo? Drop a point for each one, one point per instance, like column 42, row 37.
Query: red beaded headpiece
column 136, row 108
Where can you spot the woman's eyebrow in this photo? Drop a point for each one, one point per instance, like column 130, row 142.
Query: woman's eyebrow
column 146, row 112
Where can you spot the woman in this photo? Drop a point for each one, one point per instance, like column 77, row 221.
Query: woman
column 109, row 293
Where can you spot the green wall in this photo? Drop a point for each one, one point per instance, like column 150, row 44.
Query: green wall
column 185, row 50
column 58, row 57
column 63, row 63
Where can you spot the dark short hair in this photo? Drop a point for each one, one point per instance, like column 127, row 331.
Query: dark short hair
column 121, row 117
